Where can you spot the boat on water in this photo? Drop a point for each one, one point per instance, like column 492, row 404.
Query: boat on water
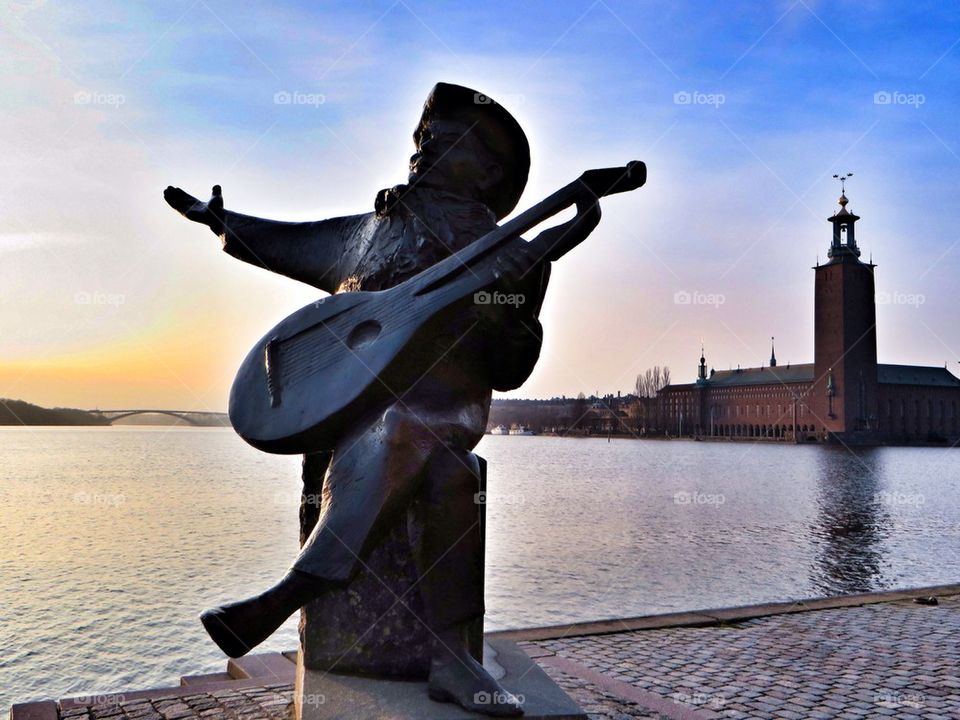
column 521, row 430
column 500, row 430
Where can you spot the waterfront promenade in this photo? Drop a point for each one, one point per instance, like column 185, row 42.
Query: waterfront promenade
column 860, row 656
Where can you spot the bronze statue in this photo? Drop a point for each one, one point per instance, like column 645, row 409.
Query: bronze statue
column 409, row 432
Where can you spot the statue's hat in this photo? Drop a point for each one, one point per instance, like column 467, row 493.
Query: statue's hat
column 495, row 127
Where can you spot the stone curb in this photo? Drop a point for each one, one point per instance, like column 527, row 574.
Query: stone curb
column 644, row 698
column 718, row 616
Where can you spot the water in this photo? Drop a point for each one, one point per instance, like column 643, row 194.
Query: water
column 115, row 538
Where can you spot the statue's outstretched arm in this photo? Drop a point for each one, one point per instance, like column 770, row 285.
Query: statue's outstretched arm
column 307, row 251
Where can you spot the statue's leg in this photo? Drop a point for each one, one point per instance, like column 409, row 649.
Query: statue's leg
column 449, row 551
column 373, row 474
column 449, row 555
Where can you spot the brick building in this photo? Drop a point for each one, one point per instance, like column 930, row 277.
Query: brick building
column 843, row 395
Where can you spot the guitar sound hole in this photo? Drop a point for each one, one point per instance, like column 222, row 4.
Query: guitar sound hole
column 363, row 334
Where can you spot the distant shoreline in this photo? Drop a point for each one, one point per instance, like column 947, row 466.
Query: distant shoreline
column 19, row 413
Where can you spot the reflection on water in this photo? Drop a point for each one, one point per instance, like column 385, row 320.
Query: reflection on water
column 115, row 538
column 851, row 521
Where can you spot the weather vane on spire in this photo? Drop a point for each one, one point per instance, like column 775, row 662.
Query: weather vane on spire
column 843, row 182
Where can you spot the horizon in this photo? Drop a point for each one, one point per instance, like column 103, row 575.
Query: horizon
column 743, row 115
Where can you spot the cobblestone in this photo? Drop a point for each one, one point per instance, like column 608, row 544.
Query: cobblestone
column 890, row 660
column 271, row 702
column 896, row 659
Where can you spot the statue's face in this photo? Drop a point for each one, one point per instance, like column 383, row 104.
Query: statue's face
column 451, row 157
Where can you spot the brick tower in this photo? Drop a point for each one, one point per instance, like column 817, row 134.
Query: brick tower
column 845, row 335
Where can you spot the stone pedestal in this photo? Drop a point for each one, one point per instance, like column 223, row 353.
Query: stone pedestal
column 373, row 627
column 333, row 696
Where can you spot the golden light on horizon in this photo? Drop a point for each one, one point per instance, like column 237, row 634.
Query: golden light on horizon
column 175, row 359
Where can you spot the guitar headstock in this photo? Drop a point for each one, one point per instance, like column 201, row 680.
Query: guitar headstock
column 607, row 181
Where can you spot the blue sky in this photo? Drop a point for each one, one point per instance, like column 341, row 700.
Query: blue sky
column 112, row 299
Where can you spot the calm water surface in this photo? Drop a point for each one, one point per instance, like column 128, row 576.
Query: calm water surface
column 115, row 538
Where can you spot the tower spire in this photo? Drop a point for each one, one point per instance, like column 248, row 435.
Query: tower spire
column 843, row 183
column 702, row 370
column 773, row 354
column 843, row 247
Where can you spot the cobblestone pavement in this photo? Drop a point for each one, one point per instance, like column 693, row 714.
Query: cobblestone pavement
column 898, row 660
column 271, row 702
column 890, row 660
column 598, row 703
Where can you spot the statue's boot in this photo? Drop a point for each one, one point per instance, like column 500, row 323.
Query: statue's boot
column 455, row 676
column 239, row 627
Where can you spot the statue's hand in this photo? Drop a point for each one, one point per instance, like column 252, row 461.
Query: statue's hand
column 208, row 213
column 514, row 269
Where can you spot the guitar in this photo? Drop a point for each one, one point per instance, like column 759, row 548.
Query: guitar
column 328, row 363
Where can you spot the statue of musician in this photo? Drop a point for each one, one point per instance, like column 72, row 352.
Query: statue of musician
column 468, row 172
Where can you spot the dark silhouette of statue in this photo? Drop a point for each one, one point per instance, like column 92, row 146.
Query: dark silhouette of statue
column 469, row 170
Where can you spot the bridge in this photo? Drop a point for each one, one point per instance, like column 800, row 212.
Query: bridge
column 191, row 417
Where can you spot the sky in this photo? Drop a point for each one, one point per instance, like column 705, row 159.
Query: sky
column 742, row 111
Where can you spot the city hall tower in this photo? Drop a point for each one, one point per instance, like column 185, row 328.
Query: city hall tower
column 845, row 333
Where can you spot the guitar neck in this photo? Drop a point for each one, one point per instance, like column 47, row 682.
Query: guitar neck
column 595, row 183
column 464, row 260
